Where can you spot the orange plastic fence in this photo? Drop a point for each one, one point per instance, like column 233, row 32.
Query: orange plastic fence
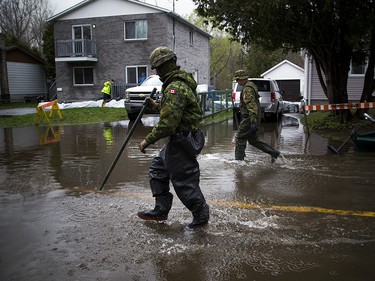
column 338, row 106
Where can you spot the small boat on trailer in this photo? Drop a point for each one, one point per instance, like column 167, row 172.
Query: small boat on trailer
column 365, row 142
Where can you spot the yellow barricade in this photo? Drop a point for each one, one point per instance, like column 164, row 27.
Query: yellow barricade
column 49, row 134
column 41, row 113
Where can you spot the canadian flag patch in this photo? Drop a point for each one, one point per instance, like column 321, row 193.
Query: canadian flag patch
column 172, row 91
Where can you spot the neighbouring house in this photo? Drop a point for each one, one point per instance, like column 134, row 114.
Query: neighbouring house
column 98, row 40
column 314, row 94
column 26, row 76
column 290, row 78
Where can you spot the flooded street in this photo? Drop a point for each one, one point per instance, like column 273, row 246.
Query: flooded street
column 309, row 216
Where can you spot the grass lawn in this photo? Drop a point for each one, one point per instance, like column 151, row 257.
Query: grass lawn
column 73, row 116
column 325, row 124
column 17, row 105
column 321, row 121
column 76, row 116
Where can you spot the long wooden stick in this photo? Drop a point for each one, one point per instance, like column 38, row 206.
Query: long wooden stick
column 130, row 133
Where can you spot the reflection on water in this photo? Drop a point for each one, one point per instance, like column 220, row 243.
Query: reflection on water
column 72, row 155
column 79, row 156
column 55, row 225
column 49, row 134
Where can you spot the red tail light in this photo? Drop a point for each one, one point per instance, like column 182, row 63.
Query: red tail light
column 273, row 96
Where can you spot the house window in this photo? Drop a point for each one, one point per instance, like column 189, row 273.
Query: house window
column 83, row 76
column 358, row 64
column 135, row 30
column 191, row 37
column 136, row 74
column 80, row 33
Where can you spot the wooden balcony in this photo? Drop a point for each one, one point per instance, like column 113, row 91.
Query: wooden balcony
column 75, row 50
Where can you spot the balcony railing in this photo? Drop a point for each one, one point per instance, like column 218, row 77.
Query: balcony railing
column 76, row 49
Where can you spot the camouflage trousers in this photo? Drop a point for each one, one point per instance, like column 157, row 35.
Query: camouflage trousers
column 177, row 163
column 248, row 133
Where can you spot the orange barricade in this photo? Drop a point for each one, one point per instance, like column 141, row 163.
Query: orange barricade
column 338, row 106
column 41, row 113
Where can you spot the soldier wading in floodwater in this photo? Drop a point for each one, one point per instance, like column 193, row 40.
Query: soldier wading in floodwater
column 250, row 119
column 180, row 116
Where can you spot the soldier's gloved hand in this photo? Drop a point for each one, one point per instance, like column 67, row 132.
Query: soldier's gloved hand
column 143, row 145
column 151, row 103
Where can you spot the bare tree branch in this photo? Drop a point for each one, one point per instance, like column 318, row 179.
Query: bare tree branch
column 24, row 20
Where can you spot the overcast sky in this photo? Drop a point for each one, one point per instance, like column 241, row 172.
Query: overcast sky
column 182, row 7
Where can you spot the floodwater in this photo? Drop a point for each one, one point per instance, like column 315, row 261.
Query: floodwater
column 309, row 216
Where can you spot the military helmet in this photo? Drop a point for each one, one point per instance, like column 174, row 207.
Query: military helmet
column 240, row 74
column 160, row 55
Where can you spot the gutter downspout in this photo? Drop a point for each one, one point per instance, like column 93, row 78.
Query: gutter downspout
column 174, row 36
column 308, row 83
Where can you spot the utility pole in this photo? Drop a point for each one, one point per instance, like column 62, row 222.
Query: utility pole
column 4, row 86
column 174, row 31
column 174, row 5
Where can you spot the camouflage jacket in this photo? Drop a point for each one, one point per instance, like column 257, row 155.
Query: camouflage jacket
column 179, row 108
column 249, row 102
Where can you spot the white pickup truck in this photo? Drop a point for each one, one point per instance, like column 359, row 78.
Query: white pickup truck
column 135, row 96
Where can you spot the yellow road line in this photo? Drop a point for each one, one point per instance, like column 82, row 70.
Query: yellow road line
column 298, row 209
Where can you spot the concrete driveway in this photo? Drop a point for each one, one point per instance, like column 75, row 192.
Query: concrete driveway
column 17, row 111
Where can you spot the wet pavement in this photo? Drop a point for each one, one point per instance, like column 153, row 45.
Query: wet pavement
column 16, row 111
column 309, row 216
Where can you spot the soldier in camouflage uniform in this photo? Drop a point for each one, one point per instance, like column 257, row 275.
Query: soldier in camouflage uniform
column 180, row 117
column 250, row 119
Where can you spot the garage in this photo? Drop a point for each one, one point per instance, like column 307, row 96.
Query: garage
column 289, row 77
column 291, row 89
column 26, row 76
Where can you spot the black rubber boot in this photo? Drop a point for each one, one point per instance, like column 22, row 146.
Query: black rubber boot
column 239, row 152
column 274, row 156
column 163, row 205
column 200, row 217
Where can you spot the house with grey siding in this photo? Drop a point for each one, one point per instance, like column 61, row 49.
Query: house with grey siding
column 313, row 91
column 98, row 40
column 26, row 75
